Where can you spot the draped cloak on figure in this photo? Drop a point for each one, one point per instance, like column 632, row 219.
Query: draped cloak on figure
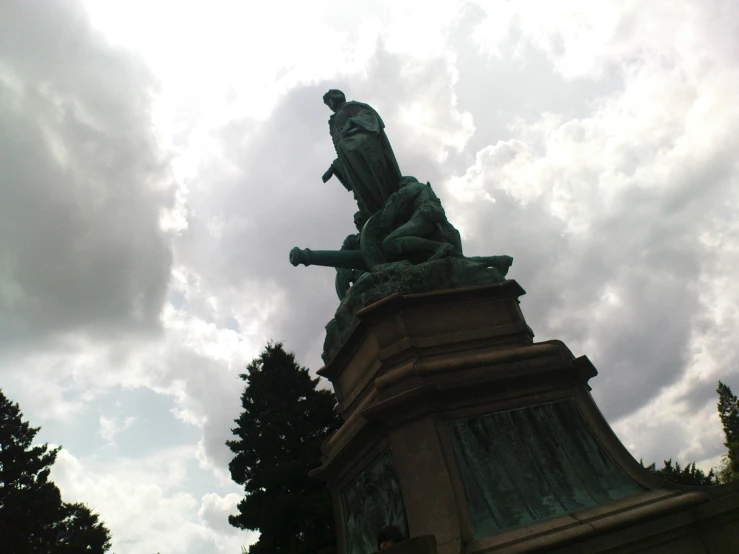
column 366, row 164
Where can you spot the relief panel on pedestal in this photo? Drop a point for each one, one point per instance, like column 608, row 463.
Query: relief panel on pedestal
column 532, row 464
column 370, row 502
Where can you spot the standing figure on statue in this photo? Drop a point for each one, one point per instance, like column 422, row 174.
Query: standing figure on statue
column 365, row 162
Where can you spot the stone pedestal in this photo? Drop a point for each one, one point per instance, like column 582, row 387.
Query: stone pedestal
column 458, row 425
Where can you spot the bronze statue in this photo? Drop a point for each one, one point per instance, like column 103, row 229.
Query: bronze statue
column 365, row 164
column 404, row 244
column 418, row 223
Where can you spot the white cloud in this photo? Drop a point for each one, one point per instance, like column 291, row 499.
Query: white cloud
column 586, row 40
column 641, row 207
column 110, row 427
column 143, row 503
column 215, row 509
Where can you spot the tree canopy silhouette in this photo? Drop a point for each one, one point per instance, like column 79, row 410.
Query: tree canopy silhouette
column 728, row 411
column 688, row 475
column 33, row 517
column 278, row 440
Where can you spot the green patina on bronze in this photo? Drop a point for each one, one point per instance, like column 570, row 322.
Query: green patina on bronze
column 365, row 162
column 371, row 502
column 404, row 243
column 533, row 464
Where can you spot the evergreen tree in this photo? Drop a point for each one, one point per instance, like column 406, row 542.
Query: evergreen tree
column 279, row 434
column 33, row 518
column 80, row 530
column 688, row 475
column 728, row 411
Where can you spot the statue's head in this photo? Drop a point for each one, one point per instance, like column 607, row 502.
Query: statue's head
column 334, row 99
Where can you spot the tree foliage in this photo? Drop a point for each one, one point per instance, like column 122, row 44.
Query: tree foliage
column 285, row 419
column 688, row 475
column 728, row 411
column 33, row 517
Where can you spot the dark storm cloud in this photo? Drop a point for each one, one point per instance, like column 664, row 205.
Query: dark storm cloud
column 82, row 182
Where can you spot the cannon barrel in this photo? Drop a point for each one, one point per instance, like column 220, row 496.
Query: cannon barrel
column 347, row 259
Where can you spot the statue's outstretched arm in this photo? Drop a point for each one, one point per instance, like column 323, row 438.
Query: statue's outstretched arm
column 329, row 173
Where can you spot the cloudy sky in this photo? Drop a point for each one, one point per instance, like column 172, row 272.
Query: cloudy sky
column 158, row 160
